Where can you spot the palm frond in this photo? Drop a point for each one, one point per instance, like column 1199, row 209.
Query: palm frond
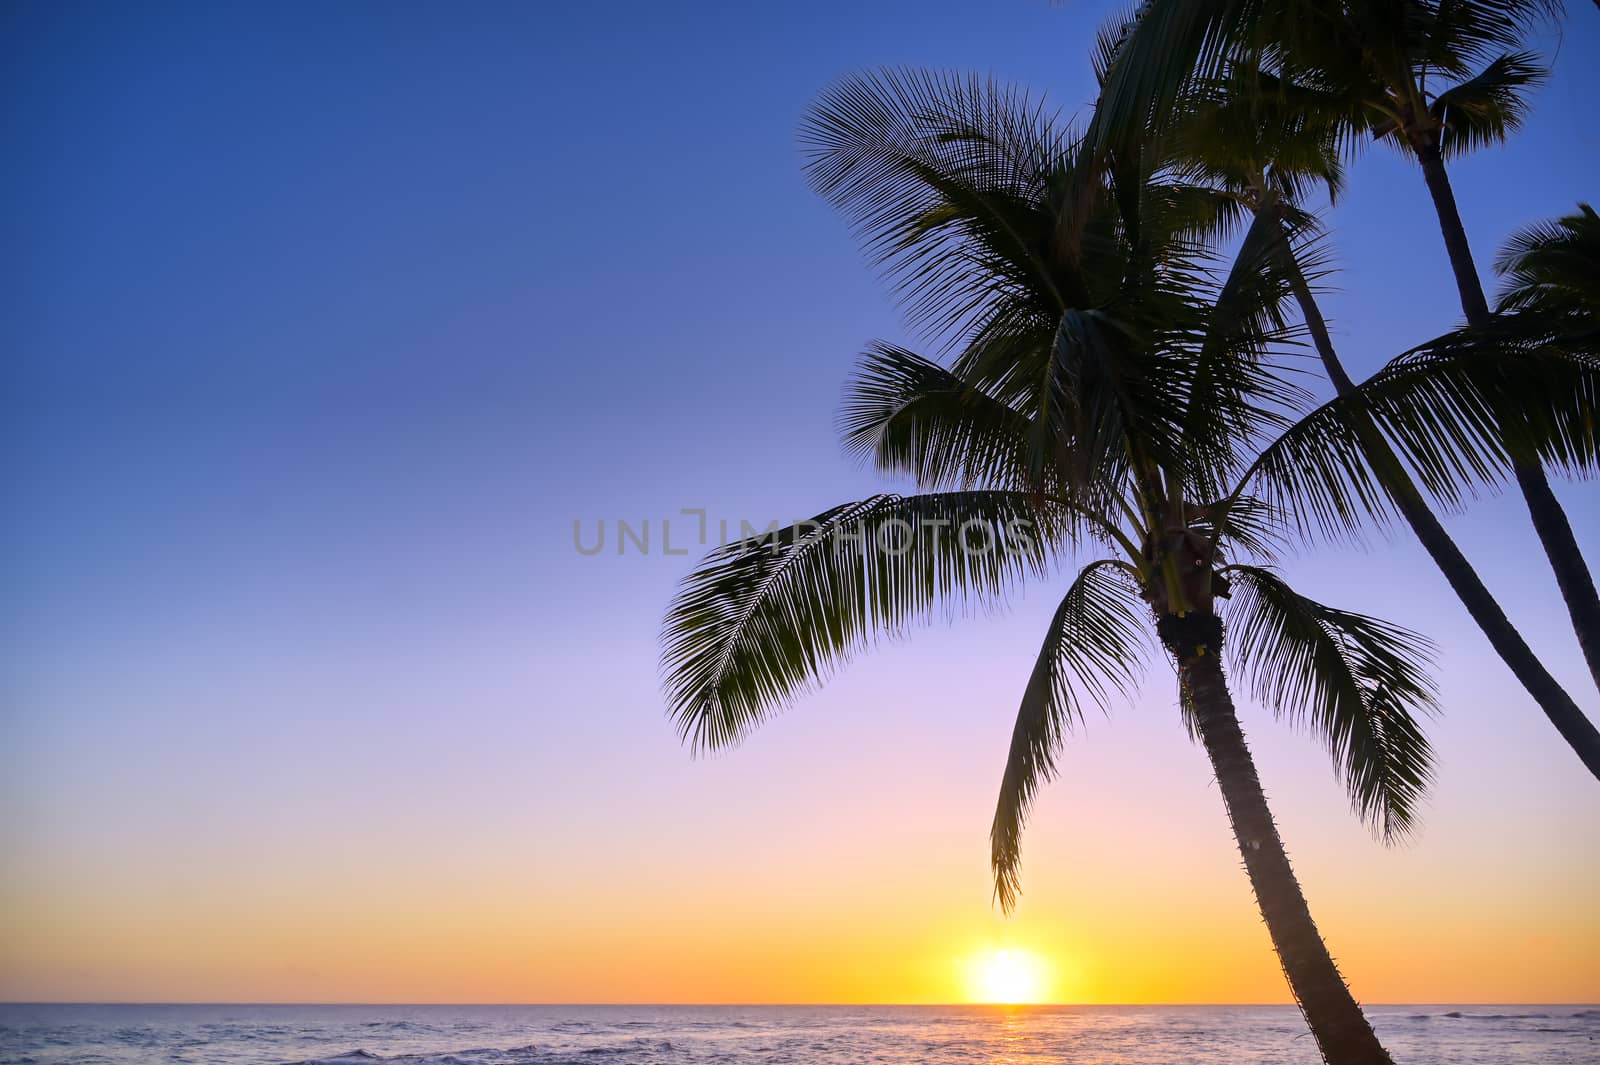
column 1494, row 393
column 1453, row 37
column 1236, row 395
column 1159, row 55
column 1487, row 107
column 944, row 179
column 1353, row 680
column 909, row 415
column 1254, row 130
column 1554, row 268
column 1108, row 41
column 1243, row 526
column 1093, row 652
column 1457, row 409
column 769, row 616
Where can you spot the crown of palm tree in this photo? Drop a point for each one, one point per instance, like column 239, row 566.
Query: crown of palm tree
column 1554, row 268
column 1410, row 72
column 1109, row 384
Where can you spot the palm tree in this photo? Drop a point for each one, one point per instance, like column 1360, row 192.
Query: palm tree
column 1480, row 45
column 1553, row 270
column 1374, row 60
column 1109, row 388
column 1261, row 140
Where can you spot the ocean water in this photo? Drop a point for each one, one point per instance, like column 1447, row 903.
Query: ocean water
column 744, row 1035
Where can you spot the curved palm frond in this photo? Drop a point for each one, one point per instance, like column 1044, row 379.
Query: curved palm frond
column 1554, row 268
column 1241, row 526
column 1487, row 107
column 944, row 178
column 1156, row 57
column 1173, row 48
column 1458, row 409
column 1235, row 396
column 1108, row 41
column 1499, row 392
column 1189, row 213
column 766, row 617
column 1255, row 131
column 1355, row 681
column 1093, row 650
column 1007, row 353
column 910, row 415
column 1453, row 38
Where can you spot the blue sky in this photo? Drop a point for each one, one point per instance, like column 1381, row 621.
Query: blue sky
column 324, row 324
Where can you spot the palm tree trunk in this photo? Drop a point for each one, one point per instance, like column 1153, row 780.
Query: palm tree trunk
column 1473, row 302
column 1579, row 732
column 1342, row 1032
column 1572, row 572
column 1549, row 519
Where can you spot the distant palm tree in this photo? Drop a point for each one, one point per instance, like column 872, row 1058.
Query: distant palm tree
column 1374, row 67
column 1262, row 140
column 1108, row 389
column 1479, row 45
column 1551, row 277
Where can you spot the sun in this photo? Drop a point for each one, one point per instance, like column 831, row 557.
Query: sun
column 1008, row 977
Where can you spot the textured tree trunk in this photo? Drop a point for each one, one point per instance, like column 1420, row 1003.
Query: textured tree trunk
column 1342, row 1032
column 1549, row 519
column 1473, row 302
column 1482, row 607
column 1572, row 572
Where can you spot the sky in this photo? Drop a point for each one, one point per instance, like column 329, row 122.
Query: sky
column 323, row 325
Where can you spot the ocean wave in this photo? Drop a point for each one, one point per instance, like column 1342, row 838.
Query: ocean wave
column 541, row 1035
column 1458, row 1015
column 635, row 1050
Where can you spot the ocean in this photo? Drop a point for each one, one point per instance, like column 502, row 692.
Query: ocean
column 803, row 1035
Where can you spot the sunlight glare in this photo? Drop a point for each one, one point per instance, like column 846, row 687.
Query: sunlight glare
column 1008, row 977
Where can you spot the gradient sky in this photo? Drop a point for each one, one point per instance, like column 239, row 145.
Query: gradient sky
column 323, row 325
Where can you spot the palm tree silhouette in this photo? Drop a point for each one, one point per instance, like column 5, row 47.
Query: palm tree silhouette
column 1261, row 140
column 1111, row 385
column 1110, row 388
column 1374, row 67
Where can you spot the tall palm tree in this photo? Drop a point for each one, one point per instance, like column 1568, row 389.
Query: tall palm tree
column 1479, row 46
column 1110, row 389
column 1375, row 59
column 1261, row 140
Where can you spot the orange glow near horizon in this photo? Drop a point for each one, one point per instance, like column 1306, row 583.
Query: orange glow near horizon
column 839, row 876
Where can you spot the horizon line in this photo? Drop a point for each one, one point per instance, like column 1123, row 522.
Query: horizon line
column 774, row 1005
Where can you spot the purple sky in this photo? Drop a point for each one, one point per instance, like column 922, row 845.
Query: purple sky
column 323, row 327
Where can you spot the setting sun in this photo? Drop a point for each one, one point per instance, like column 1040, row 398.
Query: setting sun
column 1009, row 977
column 877, row 554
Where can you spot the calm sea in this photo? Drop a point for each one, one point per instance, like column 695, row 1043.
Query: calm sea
column 805, row 1035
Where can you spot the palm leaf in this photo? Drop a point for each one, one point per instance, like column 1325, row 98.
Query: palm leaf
column 1175, row 47
column 1236, row 395
column 1457, row 409
column 1355, row 681
column 1254, row 130
column 1487, row 107
column 944, row 178
column 1093, row 651
column 1554, row 268
column 766, row 617
column 910, row 415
